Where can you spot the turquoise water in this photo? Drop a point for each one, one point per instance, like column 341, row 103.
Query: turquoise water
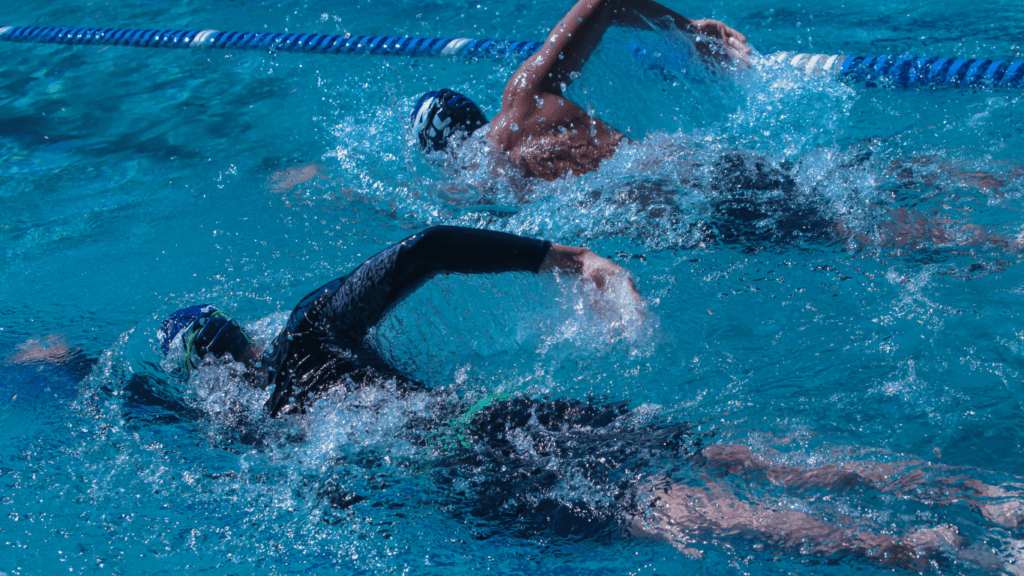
column 134, row 182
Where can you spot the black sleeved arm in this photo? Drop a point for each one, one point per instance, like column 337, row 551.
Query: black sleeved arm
column 446, row 249
column 322, row 341
column 364, row 296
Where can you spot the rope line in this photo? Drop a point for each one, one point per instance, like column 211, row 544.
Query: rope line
column 898, row 70
column 270, row 41
column 909, row 70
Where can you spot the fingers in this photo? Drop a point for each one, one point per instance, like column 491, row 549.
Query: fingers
column 601, row 271
column 740, row 46
column 718, row 29
column 581, row 261
column 734, row 41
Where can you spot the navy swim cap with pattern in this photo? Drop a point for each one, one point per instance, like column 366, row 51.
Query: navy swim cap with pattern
column 439, row 114
column 191, row 333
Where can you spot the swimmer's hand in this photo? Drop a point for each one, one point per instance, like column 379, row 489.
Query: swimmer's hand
column 734, row 42
column 576, row 260
column 52, row 349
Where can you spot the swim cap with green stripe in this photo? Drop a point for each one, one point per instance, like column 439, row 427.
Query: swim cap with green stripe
column 189, row 334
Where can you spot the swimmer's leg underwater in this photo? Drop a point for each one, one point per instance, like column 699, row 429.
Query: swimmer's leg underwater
column 682, row 513
column 912, row 478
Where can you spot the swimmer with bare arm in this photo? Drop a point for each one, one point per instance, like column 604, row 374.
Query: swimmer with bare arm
column 539, row 130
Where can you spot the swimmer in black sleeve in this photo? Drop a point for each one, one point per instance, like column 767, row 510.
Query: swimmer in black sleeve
column 322, row 345
column 508, row 458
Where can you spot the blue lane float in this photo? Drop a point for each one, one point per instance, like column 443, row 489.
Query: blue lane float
column 898, row 70
column 903, row 70
column 276, row 42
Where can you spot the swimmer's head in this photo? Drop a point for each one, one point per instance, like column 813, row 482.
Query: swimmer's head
column 441, row 114
column 189, row 334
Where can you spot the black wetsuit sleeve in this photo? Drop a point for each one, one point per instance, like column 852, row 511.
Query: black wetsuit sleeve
column 445, row 249
column 364, row 296
column 323, row 342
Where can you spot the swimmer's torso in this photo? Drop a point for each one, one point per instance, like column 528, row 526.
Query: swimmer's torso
column 553, row 138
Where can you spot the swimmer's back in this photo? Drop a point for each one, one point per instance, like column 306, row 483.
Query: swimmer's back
column 549, row 137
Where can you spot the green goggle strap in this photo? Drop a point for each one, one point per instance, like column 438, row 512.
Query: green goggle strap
column 188, row 340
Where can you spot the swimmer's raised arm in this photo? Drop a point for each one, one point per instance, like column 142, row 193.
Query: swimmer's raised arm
column 348, row 307
column 571, row 42
column 448, row 249
column 341, row 313
column 541, row 130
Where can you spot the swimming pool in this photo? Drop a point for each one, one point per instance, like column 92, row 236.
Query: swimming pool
column 136, row 181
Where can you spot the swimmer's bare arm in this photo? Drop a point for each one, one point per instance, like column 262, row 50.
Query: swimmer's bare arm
column 572, row 41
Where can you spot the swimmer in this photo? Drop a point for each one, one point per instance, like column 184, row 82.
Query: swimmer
column 540, row 131
column 752, row 199
column 505, row 457
column 323, row 345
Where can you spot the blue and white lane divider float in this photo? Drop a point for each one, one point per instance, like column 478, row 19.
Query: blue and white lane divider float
column 908, row 70
column 899, row 70
column 270, row 41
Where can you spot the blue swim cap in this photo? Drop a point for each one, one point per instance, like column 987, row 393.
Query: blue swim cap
column 191, row 333
column 441, row 113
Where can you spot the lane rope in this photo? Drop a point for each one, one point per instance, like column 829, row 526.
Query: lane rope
column 899, row 70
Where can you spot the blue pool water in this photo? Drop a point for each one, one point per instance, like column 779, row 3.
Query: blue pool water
column 134, row 182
